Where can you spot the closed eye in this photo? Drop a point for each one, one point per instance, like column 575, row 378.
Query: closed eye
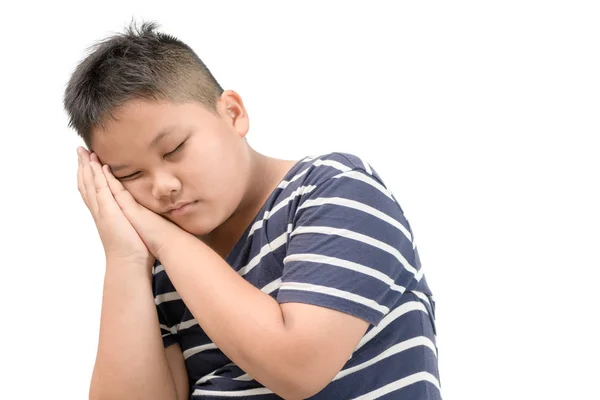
column 172, row 152
column 175, row 150
column 127, row 177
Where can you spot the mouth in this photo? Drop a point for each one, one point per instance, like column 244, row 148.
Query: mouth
column 182, row 208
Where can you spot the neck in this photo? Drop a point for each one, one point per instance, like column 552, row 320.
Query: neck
column 265, row 174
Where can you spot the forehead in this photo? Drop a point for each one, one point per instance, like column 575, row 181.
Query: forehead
column 136, row 124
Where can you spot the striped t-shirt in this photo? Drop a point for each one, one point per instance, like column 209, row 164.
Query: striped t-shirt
column 331, row 235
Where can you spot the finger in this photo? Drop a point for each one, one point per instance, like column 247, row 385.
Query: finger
column 80, row 185
column 88, row 183
column 104, row 197
column 124, row 199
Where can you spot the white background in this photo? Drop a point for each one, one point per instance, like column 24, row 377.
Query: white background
column 482, row 117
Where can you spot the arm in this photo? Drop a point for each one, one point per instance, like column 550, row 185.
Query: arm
column 131, row 360
column 354, row 240
column 178, row 371
column 275, row 344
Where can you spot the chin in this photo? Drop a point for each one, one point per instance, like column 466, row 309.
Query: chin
column 195, row 229
column 197, row 226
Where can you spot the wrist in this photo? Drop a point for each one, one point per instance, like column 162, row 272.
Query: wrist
column 130, row 267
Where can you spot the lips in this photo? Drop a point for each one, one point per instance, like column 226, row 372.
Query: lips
column 179, row 207
column 176, row 206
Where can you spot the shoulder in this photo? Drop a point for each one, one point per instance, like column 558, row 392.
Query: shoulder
column 321, row 168
column 336, row 177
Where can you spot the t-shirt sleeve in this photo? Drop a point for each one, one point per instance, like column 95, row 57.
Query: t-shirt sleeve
column 350, row 248
column 164, row 291
column 169, row 335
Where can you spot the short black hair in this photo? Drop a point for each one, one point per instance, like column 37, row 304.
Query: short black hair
column 140, row 63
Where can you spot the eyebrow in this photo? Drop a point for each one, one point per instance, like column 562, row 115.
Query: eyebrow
column 164, row 132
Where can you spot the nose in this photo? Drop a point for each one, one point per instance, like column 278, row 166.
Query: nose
column 165, row 185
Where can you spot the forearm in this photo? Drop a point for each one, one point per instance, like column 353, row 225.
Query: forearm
column 245, row 323
column 131, row 361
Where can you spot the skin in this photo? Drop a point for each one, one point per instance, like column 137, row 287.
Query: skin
column 214, row 165
column 293, row 349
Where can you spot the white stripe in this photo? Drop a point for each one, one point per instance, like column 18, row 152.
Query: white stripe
column 366, row 179
column 330, row 163
column 271, row 287
column 206, row 378
column 367, row 167
column 338, row 262
column 187, row 324
column 421, row 295
column 244, row 377
column 285, row 184
column 257, row 225
column 181, row 326
column 308, row 159
column 266, row 249
column 171, row 296
column 319, row 162
column 198, row 349
column 212, row 374
column 395, row 349
column 325, row 230
column 237, row 393
column 388, row 319
column 158, row 269
column 307, row 287
column 172, row 329
column 302, row 190
column 419, row 274
column 357, row 206
column 399, row 384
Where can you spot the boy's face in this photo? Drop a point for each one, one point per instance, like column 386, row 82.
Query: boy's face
column 167, row 154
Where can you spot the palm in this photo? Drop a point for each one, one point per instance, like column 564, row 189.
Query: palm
column 118, row 236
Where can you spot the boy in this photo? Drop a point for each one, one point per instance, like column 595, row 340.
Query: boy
column 230, row 274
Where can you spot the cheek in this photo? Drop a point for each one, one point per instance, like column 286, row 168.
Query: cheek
column 141, row 193
column 222, row 197
column 215, row 173
column 207, row 217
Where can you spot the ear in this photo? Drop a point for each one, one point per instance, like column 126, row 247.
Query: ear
column 231, row 108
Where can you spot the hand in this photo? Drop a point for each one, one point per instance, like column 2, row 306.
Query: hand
column 120, row 240
column 151, row 229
